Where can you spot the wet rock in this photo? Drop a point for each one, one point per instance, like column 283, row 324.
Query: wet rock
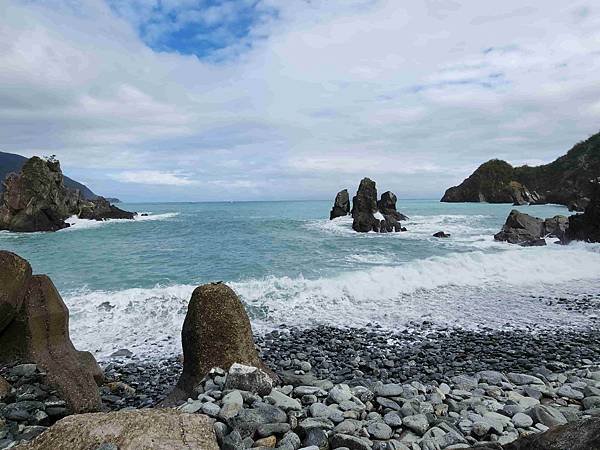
column 521, row 229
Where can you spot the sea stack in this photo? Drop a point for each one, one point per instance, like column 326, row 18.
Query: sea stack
column 369, row 214
column 341, row 205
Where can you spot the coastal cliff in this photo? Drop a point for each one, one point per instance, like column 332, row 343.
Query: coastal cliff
column 564, row 181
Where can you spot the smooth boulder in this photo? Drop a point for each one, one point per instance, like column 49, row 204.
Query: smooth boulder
column 216, row 333
column 341, row 205
column 144, row 429
column 39, row 333
column 15, row 274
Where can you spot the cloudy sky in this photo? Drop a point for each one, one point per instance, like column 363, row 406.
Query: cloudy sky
column 294, row 99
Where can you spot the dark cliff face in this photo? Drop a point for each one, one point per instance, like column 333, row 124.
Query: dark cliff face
column 36, row 199
column 564, row 181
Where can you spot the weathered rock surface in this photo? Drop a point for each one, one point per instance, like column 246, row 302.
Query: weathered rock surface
column 39, row 333
column 36, row 199
column 145, row 429
column 564, row 181
column 580, row 435
column 364, row 206
column 15, row 274
column 586, row 227
column 341, row 205
column 526, row 230
column 216, row 333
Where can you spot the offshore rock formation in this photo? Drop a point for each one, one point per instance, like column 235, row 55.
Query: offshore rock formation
column 36, row 330
column 564, row 181
column 341, row 205
column 527, row 230
column 216, row 333
column 586, row 226
column 368, row 213
column 36, row 199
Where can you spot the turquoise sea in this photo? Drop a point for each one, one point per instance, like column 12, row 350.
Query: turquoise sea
column 127, row 283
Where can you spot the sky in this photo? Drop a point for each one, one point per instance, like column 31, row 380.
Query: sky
column 208, row 100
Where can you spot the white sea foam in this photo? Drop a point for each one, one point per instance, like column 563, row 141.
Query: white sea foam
column 470, row 289
column 79, row 224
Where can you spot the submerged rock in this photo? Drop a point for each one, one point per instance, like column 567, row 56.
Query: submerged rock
column 341, row 205
column 216, row 333
column 143, row 429
column 441, row 234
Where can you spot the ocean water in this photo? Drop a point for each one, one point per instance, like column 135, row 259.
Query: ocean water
column 127, row 283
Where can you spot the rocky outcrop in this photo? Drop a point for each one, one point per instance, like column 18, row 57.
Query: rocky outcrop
column 36, row 199
column 579, row 435
column 441, row 234
column 564, row 181
column 341, row 205
column 145, row 429
column 527, row 230
column 586, row 227
column 369, row 214
column 216, row 333
column 101, row 209
column 39, row 333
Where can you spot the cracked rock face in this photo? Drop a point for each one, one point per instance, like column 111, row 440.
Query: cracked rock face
column 129, row 430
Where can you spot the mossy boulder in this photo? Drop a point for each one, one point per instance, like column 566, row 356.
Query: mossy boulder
column 216, row 333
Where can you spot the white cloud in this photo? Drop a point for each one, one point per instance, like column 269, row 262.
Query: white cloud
column 154, row 177
column 413, row 92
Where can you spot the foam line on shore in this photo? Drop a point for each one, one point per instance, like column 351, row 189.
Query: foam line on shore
column 469, row 290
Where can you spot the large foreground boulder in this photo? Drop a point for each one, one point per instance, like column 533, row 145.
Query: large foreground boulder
column 216, row 333
column 39, row 333
column 15, row 274
column 341, row 205
column 580, row 435
column 145, row 429
column 586, row 227
column 526, row 230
